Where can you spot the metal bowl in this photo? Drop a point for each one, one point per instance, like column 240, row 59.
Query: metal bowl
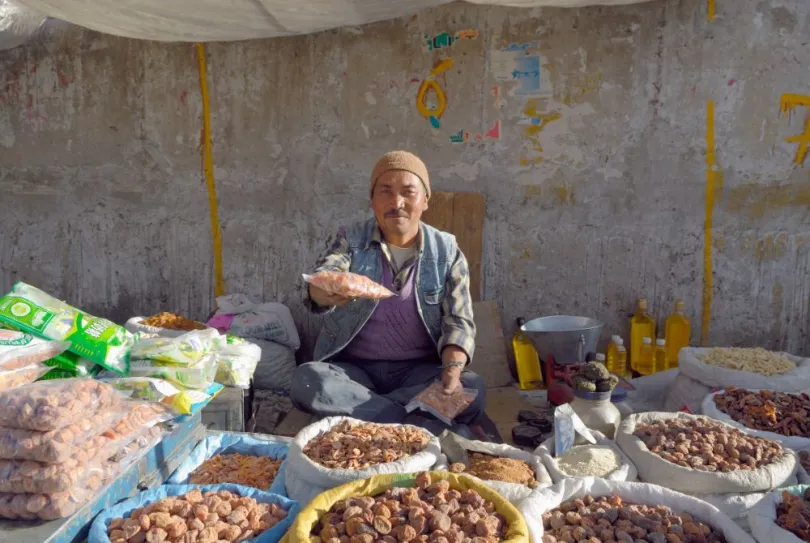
column 568, row 339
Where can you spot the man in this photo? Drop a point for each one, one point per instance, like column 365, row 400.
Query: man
column 372, row 358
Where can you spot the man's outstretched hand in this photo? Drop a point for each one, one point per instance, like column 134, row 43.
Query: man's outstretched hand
column 451, row 380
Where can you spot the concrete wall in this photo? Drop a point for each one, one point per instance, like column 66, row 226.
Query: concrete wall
column 600, row 201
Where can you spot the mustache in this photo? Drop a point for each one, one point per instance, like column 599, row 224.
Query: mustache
column 396, row 213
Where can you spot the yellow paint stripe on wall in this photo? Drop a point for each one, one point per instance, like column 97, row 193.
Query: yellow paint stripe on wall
column 711, row 188
column 208, row 170
column 711, row 10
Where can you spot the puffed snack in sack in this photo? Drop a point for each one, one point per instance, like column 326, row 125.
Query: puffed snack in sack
column 348, row 285
column 444, row 407
column 49, row 405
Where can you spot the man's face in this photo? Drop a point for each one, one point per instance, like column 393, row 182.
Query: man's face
column 398, row 201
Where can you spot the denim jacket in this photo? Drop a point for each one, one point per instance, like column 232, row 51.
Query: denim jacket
column 442, row 288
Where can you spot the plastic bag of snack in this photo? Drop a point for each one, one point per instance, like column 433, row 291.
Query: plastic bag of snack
column 19, row 350
column 49, row 405
column 85, row 368
column 198, row 377
column 33, row 311
column 68, row 361
column 29, row 476
column 236, row 362
column 45, row 506
column 350, row 285
column 444, row 407
column 187, row 350
column 22, row 376
column 158, row 390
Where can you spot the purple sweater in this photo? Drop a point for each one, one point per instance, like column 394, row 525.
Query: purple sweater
column 395, row 330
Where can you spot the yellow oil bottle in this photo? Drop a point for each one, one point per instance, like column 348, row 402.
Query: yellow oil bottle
column 621, row 360
column 646, row 357
column 641, row 326
column 613, row 364
column 660, row 356
column 526, row 360
column 677, row 332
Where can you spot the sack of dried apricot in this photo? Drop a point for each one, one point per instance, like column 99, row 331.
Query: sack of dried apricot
column 347, row 284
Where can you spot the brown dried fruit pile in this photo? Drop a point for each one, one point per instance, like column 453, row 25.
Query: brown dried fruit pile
column 804, row 458
column 497, row 468
column 786, row 414
column 171, row 321
column 707, row 446
column 255, row 471
column 429, row 513
column 213, row 517
column 363, row 445
column 609, row 518
column 793, row 514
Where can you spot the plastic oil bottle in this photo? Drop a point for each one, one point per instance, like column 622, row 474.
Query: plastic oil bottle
column 526, row 360
column 621, row 360
column 677, row 331
column 660, row 356
column 646, row 357
column 613, row 364
column 641, row 326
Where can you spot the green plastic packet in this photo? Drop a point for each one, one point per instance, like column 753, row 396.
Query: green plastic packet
column 188, row 350
column 68, row 365
column 31, row 310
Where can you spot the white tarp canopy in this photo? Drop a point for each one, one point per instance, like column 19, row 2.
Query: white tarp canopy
column 223, row 20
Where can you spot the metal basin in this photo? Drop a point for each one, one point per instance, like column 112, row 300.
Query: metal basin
column 568, row 339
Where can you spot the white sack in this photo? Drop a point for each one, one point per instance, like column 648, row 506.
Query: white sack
column 511, row 491
column 762, row 519
column 710, row 410
column 305, row 479
column 546, row 499
column 270, row 321
column 626, row 472
column 17, row 24
column 685, row 392
column 716, row 377
column 276, row 366
column 654, row 469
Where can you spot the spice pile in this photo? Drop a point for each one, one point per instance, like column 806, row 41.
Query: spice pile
column 707, row 446
column 609, row 518
column 778, row 412
column 432, row 512
column 589, row 461
column 497, row 468
column 756, row 360
column 213, row 516
column 595, row 377
column 172, row 321
column 793, row 514
column 360, row 446
column 254, row 471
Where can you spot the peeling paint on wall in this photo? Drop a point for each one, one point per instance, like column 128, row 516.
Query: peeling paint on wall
column 444, row 40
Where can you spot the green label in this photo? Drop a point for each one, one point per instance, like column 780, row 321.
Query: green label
column 91, row 336
column 9, row 338
column 404, row 480
column 28, row 316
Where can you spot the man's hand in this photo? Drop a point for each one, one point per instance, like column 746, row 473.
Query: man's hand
column 453, row 358
column 326, row 299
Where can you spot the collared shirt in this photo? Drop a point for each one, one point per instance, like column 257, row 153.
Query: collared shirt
column 458, row 327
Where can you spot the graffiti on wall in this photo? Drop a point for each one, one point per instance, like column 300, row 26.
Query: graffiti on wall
column 445, row 40
column 463, row 136
column 519, row 63
column 433, row 111
column 536, row 122
column 787, row 103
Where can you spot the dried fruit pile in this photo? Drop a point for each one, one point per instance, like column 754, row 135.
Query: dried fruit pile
column 609, row 518
column 707, row 446
column 431, row 512
column 255, row 471
column 171, row 321
column 778, row 412
column 206, row 518
column 756, row 360
column 793, row 514
column 360, row 446
column 804, row 458
column 497, row 468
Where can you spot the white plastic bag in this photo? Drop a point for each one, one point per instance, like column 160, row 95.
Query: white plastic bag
column 686, row 393
column 654, row 469
column 710, row 410
column 762, row 518
column 187, row 350
column 625, row 472
column 276, row 366
column 511, row 491
column 306, row 479
column 690, row 364
column 236, row 361
column 547, row 499
column 269, row 321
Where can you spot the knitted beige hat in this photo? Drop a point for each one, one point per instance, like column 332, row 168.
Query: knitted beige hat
column 401, row 161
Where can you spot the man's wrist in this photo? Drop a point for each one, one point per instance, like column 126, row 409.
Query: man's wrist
column 453, row 364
